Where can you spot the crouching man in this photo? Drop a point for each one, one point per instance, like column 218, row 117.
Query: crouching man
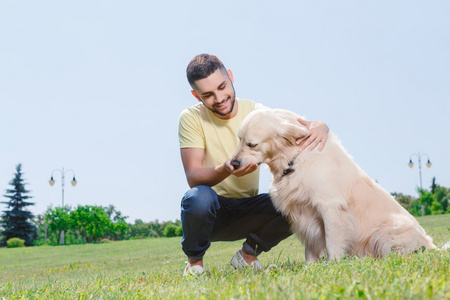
column 223, row 204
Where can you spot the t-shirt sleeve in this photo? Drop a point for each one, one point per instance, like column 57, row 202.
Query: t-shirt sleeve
column 259, row 106
column 190, row 133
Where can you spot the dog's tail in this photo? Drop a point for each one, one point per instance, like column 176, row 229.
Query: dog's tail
column 445, row 247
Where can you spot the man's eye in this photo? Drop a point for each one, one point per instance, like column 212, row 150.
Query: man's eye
column 252, row 145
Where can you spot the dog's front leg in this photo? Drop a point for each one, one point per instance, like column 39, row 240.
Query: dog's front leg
column 308, row 226
column 314, row 251
column 339, row 225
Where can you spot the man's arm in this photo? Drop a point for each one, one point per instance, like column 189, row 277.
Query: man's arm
column 196, row 174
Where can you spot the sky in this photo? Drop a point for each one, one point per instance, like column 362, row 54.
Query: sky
column 97, row 87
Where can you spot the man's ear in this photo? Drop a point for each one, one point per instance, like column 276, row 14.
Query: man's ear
column 230, row 75
column 292, row 131
column 195, row 95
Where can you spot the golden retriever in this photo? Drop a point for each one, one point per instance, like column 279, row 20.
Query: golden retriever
column 331, row 203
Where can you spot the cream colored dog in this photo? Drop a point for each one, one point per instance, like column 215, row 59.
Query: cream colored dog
column 331, row 203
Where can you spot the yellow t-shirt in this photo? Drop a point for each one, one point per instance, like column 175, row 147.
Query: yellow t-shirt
column 200, row 128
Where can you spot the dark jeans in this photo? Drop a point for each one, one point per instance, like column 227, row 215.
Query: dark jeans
column 208, row 217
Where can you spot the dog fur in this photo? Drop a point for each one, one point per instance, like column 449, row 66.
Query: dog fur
column 330, row 201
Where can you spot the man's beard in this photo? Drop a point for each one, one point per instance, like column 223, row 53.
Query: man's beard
column 233, row 102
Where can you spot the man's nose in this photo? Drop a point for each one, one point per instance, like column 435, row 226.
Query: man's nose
column 220, row 97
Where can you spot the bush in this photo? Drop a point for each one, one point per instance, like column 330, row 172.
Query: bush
column 179, row 231
column 15, row 243
column 170, row 230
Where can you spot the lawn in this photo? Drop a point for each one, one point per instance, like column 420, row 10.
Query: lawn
column 152, row 269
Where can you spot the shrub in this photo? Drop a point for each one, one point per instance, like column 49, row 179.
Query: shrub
column 179, row 231
column 170, row 230
column 15, row 243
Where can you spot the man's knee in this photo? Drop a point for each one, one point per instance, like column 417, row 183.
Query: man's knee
column 199, row 201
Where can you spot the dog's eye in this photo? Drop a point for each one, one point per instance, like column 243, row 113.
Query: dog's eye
column 252, row 145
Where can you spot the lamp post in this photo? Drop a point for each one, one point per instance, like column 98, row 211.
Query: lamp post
column 43, row 222
column 411, row 164
column 52, row 182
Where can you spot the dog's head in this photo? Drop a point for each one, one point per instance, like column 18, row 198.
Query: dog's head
column 264, row 133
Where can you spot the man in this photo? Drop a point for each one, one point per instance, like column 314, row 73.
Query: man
column 223, row 203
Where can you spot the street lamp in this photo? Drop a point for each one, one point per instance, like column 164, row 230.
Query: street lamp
column 41, row 219
column 411, row 164
column 63, row 173
column 52, row 182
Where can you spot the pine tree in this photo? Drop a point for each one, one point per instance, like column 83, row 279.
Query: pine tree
column 16, row 221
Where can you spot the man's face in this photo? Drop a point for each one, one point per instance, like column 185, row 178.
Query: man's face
column 217, row 93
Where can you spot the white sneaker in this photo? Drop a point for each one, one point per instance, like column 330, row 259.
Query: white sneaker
column 239, row 262
column 194, row 270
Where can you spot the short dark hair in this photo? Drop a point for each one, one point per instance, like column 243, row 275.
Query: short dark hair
column 203, row 65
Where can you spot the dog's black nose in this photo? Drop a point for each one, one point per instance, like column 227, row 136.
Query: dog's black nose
column 236, row 164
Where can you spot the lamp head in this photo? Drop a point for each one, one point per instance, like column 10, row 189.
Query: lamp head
column 429, row 164
column 74, row 182
column 411, row 164
column 51, row 181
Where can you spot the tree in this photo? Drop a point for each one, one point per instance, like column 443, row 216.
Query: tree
column 436, row 201
column 120, row 231
column 441, row 197
column 58, row 219
column 91, row 221
column 433, row 185
column 119, row 228
column 113, row 214
column 436, row 208
column 425, row 199
column 170, row 230
column 85, row 224
column 16, row 220
column 405, row 200
column 416, row 209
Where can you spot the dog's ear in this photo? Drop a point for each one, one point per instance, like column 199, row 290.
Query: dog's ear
column 292, row 130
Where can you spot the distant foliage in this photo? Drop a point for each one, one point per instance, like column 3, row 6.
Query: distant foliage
column 91, row 222
column 84, row 224
column 58, row 219
column 141, row 230
column 17, row 220
column 15, row 243
column 435, row 201
column 119, row 229
column 170, row 230
column 405, row 200
column 88, row 223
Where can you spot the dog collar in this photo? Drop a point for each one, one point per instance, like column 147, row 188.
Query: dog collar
column 289, row 169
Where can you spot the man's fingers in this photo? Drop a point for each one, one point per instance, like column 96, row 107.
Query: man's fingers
column 313, row 145
column 246, row 169
column 322, row 144
column 307, row 143
column 320, row 147
column 228, row 166
column 312, row 142
column 249, row 167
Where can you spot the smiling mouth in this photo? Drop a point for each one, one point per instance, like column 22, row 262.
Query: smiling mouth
column 222, row 104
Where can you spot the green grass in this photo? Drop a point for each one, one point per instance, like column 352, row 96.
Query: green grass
column 152, row 269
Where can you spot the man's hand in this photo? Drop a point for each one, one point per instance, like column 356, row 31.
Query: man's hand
column 318, row 134
column 244, row 170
